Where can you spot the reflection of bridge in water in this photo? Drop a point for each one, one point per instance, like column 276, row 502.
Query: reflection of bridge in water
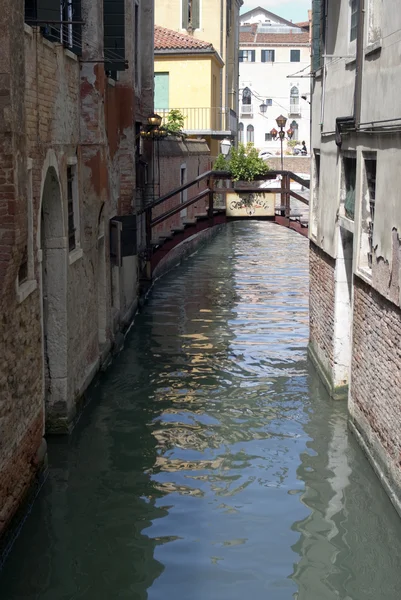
column 282, row 197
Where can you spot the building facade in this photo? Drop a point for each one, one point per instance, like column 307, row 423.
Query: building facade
column 75, row 89
column 355, row 220
column 274, row 71
column 190, row 69
column 217, row 24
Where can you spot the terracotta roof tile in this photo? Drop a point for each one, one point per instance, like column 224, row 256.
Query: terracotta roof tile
column 167, row 39
column 304, row 24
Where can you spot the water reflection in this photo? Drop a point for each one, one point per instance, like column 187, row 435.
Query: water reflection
column 211, row 463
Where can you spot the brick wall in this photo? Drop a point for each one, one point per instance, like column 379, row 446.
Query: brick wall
column 321, row 306
column 375, row 403
column 296, row 164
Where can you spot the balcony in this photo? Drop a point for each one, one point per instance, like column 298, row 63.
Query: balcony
column 246, row 110
column 216, row 122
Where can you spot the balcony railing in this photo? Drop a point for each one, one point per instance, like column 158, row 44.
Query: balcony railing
column 246, row 110
column 205, row 120
column 295, row 109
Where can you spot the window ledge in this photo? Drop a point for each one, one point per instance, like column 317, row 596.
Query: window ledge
column 75, row 255
column 48, row 43
column 111, row 81
column 346, row 223
column 374, row 47
column 70, row 55
column 28, row 29
column 364, row 274
column 350, row 61
column 25, row 289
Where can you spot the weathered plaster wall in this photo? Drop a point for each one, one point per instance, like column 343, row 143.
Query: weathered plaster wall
column 174, row 154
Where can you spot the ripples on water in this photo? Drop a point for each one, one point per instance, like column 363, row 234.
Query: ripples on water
column 211, row 463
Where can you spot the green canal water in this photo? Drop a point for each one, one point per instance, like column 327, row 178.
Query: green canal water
column 211, row 464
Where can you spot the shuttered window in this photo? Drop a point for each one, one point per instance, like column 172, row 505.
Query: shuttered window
column 55, row 18
column 190, row 14
column 114, row 35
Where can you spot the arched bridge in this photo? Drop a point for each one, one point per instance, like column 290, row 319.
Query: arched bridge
column 174, row 217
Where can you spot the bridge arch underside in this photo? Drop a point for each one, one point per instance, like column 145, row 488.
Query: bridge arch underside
column 183, row 243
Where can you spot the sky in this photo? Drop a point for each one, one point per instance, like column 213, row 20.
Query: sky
column 292, row 10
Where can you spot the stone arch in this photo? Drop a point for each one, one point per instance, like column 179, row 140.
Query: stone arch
column 54, row 258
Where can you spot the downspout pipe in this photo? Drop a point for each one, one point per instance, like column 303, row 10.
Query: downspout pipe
column 359, row 63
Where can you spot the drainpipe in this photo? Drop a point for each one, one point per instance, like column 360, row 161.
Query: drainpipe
column 221, row 52
column 359, row 63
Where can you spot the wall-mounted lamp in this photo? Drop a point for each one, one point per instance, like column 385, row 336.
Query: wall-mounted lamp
column 263, row 108
column 225, row 147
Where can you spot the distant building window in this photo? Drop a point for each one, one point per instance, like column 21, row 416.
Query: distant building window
column 190, row 14
column 269, row 102
column 294, row 127
column 268, row 55
column 268, row 137
column 241, row 133
column 294, row 100
column 295, row 56
column 247, row 96
column 247, row 56
column 354, row 19
column 250, row 134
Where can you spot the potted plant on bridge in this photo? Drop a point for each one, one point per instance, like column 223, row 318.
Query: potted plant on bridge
column 245, row 166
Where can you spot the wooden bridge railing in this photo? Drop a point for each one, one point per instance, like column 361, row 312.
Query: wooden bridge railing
column 284, row 190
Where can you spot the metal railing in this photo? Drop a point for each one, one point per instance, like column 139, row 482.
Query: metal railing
column 204, row 119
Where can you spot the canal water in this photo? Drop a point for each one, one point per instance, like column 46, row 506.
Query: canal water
column 211, row 465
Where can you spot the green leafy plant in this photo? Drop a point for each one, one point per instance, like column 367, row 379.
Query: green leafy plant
column 244, row 163
column 221, row 163
column 175, row 121
column 292, row 143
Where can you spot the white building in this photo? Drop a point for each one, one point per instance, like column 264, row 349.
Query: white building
column 275, row 71
column 355, row 221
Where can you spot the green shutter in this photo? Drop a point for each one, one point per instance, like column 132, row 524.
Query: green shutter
column 185, row 9
column 195, row 14
column 253, row 56
column 76, row 29
column 49, row 10
column 162, row 91
column 114, row 35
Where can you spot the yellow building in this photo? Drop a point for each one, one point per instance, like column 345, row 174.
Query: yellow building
column 216, row 22
column 188, row 78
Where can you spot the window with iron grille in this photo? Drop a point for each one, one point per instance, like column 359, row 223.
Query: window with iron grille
column 295, row 55
column 268, row 55
column 247, row 56
column 269, row 102
column 349, row 183
column 70, row 197
column 354, row 19
column 370, row 170
column 59, row 21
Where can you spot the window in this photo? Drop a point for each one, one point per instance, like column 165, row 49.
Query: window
column 354, row 19
column 294, row 127
column 268, row 137
column 295, row 55
column 250, row 131
column 294, row 100
column 241, row 133
column 114, row 36
column 26, row 268
column 368, row 210
column 162, row 91
column 269, row 102
column 349, row 182
column 46, row 13
column 73, row 206
column 246, row 96
column 268, row 55
column 247, row 56
column 190, row 14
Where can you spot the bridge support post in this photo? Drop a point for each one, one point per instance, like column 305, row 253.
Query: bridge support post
column 148, row 234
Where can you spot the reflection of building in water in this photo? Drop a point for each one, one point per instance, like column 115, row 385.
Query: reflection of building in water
column 344, row 539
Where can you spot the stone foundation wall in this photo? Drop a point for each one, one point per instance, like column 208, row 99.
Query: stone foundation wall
column 375, row 401
column 321, row 309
